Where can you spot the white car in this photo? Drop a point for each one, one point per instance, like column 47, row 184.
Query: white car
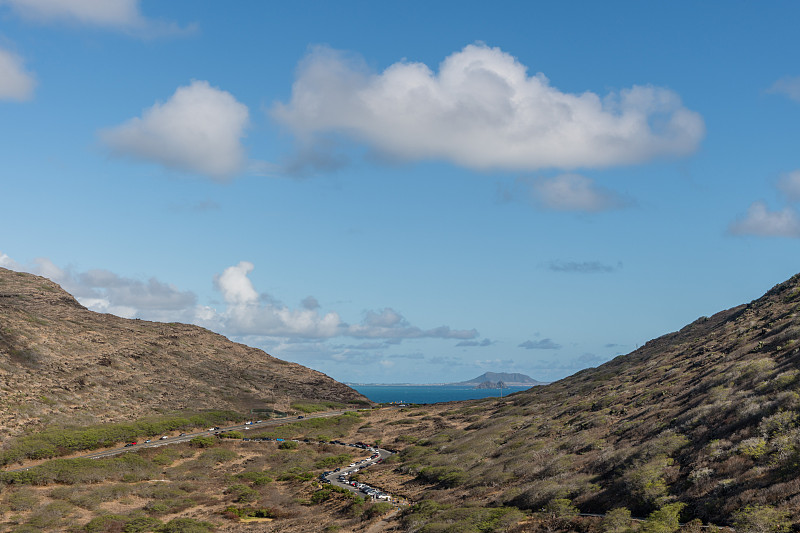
column 164, row 437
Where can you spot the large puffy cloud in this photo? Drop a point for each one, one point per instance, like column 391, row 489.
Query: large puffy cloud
column 15, row 82
column 482, row 110
column 199, row 129
column 122, row 15
column 762, row 222
column 249, row 314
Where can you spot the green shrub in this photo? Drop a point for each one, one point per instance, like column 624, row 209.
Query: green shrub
column 334, row 460
column 322, row 495
column 288, row 445
column 616, row 520
column 646, row 481
column 255, row 477
column 110, row 522
column 250, row 512
column 761, row 519
column 664, row 520
column 242, row 493
column 378, row 509
column 203, row 442
column 22, row 500
column 231, row 435
column 447, row 476
column 560, row 508
column 754, row 448
column 309, row 407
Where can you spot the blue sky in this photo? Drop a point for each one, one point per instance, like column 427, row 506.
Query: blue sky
column 404, row 192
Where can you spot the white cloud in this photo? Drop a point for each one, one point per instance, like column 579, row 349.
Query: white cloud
column 789, row 185
column 789, row 86
column 235, row 286
column 15, row 82
column 106, row 292
column 482, row 110
column 762, row 222
column 7, row 262
column 544, row 344
column 389, row 324
column 124, row 15
column 199, row 129
column 247, row 314
column 573, row 192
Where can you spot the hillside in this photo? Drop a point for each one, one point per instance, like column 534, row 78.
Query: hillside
column 61, row 362
column 708, row 416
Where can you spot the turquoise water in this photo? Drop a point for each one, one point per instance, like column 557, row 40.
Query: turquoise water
column 427, row 393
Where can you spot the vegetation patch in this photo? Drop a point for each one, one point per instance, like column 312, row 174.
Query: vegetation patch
column 315, row 407
column 55, row 442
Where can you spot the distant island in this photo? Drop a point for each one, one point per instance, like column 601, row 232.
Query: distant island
column 488, row 380
column 496, row 378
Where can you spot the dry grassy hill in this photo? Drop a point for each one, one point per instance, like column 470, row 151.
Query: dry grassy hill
column 61, row 362
column 708, row 416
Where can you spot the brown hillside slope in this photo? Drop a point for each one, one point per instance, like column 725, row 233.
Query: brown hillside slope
column 60, row 361
column 708, row 416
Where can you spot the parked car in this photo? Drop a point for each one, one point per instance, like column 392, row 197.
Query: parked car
column 164, row 438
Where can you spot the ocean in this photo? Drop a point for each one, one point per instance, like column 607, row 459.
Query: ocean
column 427, row 393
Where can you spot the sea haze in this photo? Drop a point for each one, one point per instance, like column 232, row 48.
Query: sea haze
column 428, row 393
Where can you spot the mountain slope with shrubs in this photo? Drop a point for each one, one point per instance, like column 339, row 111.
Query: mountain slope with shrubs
column 705, row 421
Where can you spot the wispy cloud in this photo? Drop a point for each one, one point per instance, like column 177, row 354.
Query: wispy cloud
column 16, row 83
column 762, row 222
column 787, row 86
column 481, row 343
column 789, row 185
column 543, row 344
column 199, row 129
column 583, row 267
column 565, row 192
column 481, row 110
column 573, row 192
column 119, row 15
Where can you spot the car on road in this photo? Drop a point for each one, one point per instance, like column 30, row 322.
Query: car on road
column 164, row 438
column 130, row 444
